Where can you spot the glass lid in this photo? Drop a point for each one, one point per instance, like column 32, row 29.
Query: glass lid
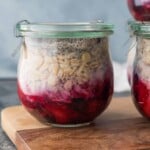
column 64, row 30
column 140, row 28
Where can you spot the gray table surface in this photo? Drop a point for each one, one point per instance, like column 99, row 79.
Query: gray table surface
column 8, row 97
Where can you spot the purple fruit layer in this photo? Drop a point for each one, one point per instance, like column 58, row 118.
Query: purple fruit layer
column 141, row 94
column 84, row 103
column 140, row 9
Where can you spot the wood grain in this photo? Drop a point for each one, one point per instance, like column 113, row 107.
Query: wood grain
column 119, row 127
column 127, row 134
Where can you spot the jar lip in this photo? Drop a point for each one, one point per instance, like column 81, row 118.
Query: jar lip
column 70, row 29
column 140, row 28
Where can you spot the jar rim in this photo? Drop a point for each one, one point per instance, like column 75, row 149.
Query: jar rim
column 140, row 28
column 64, row 30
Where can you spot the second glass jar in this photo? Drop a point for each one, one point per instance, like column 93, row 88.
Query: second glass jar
column 141, row 68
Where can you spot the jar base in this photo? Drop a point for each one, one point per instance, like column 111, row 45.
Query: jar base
column 70, row 125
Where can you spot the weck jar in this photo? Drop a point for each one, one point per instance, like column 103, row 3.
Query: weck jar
column 65, row 75
column 141, row 68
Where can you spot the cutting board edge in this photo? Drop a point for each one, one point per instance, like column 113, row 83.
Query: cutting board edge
column 6, row 127
column 20, row 143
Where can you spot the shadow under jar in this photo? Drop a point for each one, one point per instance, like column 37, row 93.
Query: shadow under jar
column 141, row 68
column 65, row 75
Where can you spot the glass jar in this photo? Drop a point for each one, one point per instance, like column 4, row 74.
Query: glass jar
column 140, row 9
column 65, row 75
column 130, row 60
column 141, row 68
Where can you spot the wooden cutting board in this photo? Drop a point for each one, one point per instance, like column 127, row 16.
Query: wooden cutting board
column 119, row 127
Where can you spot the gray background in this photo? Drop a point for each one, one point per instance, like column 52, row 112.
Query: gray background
column 12, row 11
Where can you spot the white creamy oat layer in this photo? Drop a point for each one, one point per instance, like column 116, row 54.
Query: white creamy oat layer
column 59, row 64
column 143, row 58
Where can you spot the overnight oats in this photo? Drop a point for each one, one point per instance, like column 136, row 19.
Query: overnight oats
column 141, row 69
column 65, row 75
